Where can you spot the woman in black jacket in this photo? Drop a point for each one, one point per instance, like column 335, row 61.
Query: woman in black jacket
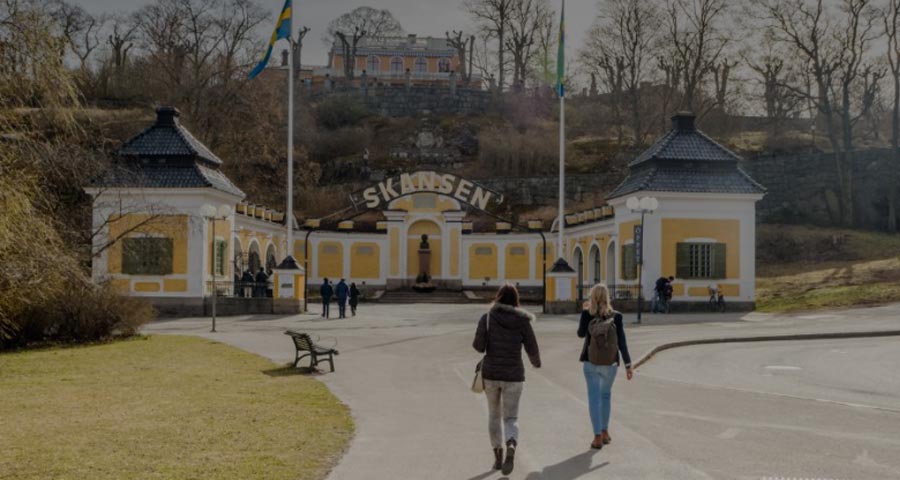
column 501, row 334
column 354, row 298
column 599, row 378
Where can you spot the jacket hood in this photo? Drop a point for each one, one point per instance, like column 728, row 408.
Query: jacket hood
column 510, row 317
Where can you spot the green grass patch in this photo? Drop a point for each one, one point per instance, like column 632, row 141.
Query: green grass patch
column 164, row 407
column 832, row 297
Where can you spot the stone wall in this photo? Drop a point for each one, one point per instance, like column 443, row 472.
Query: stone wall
column 402, row 101
column 544, row 191
column 803, row 188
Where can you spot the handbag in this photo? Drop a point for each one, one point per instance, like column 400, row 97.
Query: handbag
column 478, row 382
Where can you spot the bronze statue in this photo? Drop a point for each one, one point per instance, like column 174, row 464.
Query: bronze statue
column 423, row 245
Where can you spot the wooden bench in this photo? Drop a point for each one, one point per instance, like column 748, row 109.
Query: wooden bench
column 303, row 343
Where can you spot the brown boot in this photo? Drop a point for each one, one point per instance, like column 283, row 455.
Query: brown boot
column 606, row 438
column 498, row 458
column 510, row 457
column 598, row 442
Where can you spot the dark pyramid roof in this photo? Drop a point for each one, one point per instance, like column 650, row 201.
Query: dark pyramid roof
column 166, row 155
column 686, row 160
column 685, row 142
column 167, row 138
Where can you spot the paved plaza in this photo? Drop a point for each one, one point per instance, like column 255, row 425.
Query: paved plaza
column 805, row 409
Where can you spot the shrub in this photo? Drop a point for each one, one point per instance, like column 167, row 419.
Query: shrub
column 340, row 111
column 45, row 295
column 345, row 142
column 534, row 152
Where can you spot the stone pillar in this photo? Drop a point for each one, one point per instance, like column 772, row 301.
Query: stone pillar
column 453, row 82
column 561, row 284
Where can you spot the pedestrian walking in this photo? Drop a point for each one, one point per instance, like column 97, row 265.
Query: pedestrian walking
column 326, row 292
column 354, row 298
column 604, row 350
column 500, row 335
column 262, row 283
column 343, row 292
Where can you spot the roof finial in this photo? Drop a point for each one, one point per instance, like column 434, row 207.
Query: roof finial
column 167, row 115
column 684, row 121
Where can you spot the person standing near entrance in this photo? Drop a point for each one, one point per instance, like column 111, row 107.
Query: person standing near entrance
column 604, row 350
column 500, row 335
column 342, row 291
column 354, row 298
column 327, row 292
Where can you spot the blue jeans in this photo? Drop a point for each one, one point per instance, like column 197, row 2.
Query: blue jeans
column 599, row 380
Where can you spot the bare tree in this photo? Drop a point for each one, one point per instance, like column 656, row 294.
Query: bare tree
column 524, row 27
column 892, row 30
column 350, row 28
column 463, row 45
column 298, row 50
column 835, row 48
column 121, row 40
column 698, row 40
column 493, row 17
column 620, row 45
column 80, row 29
column 546, row 39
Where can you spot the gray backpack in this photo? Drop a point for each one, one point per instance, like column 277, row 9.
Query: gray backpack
column 603, row 348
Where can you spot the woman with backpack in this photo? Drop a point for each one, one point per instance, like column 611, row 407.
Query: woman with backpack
column 500, row 335
column 604, row 351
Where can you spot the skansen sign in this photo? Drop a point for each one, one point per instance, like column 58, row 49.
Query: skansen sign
column 447, row 184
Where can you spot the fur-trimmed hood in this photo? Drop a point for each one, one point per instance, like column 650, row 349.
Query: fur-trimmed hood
column 510, row 317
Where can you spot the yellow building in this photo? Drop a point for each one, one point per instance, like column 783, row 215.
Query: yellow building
column 388, row 59
column 702, row 233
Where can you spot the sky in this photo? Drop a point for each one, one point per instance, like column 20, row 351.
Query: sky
column 424, row 18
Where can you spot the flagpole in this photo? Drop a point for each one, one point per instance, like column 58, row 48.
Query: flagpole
column 289, row 215
column 562, row 131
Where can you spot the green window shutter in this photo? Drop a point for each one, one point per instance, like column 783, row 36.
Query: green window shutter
column 147, row 256
column 718, row 260
column 683, row 260
column 221, row 246
column 629, row 264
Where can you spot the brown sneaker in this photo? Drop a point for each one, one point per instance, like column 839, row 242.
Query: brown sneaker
column 606, row 438
column 598, row 442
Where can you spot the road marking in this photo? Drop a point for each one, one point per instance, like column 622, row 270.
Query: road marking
column 782, row 367
column 729, row 434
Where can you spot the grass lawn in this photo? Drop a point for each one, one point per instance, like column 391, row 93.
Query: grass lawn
column 842, row 285
column 164, row 407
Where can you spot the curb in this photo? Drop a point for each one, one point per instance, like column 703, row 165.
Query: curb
column 765, row 338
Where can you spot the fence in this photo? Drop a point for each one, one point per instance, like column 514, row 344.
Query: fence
column 620, row 293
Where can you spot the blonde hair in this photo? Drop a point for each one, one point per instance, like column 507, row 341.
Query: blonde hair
column 598, row 301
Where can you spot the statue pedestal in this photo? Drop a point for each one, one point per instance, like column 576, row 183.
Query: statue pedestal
column 425, row 262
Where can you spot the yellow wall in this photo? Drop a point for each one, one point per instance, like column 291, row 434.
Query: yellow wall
column 365, row 266
column 517, row 266
column 442, row 203
column 146, row 287
column 300, row 251
column 169, row 226
column 727, row 290
column 482, row 266
column 395, row 251
column 538, row 258
column 331, row 265
column 175, row 285
column 676, row 230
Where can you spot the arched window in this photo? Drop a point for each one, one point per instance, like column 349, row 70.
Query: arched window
column 444, row 65
column 253, row 260
column 595, row 265
column 397, row 65
column 373, row 64
column 238, row 257
column 421, row 65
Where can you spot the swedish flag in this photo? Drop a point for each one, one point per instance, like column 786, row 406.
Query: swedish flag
column 561, row 54
column 282, row 30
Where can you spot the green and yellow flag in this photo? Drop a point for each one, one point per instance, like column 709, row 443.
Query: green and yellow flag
column 282, row 30
column 561, row 54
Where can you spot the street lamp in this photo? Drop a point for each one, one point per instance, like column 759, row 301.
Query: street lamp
column 643, row 206
column 212, row 213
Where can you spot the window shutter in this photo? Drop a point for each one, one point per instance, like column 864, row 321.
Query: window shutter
column 718, row 260
column 683, row 260
column 629, row 265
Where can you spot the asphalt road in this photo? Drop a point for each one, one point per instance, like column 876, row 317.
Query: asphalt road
column 738, row 411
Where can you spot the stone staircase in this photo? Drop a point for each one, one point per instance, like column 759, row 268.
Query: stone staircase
column 437, row 296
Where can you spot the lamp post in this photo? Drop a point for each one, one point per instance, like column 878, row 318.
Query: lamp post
column 212, row 213
column 311, row 225
column 644, row 206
